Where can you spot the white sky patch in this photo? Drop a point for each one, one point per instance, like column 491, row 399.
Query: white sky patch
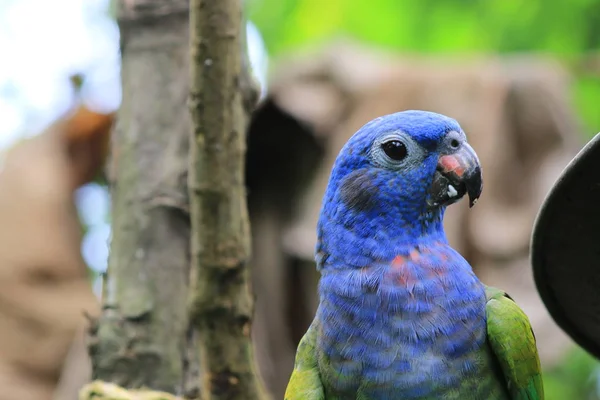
column 257, row 53
column 94, row 247
column 94, row 204
column 44, row 42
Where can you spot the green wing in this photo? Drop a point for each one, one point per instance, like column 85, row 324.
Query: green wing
column 305, row 382
column 513, row 343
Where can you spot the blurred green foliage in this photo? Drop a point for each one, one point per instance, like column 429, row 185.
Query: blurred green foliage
column 575, row 378
column 568, row 29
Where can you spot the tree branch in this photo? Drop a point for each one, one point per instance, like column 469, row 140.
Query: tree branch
column 221, row 303
column 140, row 339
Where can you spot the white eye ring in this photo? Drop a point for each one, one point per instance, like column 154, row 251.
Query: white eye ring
column 453, row 141
column 414, row 154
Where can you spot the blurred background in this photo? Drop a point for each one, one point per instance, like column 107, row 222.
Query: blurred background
column 521, row 76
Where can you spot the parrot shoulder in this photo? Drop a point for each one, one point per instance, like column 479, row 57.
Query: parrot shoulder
column 513, row 343
column 305, row 382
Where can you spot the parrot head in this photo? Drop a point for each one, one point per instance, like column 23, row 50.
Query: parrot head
column 392, row 181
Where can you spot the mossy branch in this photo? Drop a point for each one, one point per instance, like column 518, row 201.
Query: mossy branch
column 99, row 390
column 221, row 306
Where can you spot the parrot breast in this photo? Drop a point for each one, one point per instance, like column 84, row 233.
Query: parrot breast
column 410, row 328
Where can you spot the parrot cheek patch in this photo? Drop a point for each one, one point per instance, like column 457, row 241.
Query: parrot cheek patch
column 357, row 191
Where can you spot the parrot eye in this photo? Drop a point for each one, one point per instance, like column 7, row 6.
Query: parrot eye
column 395, row 149
column 454, row 143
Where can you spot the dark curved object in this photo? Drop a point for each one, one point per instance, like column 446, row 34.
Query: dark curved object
column 565, row 249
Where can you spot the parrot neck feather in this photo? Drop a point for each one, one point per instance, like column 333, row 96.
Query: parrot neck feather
column 348, row 239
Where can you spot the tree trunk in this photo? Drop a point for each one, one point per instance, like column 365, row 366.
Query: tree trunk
column 220, row 101
column 141, row 337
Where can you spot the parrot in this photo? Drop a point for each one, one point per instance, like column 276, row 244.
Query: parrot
column 401, row 314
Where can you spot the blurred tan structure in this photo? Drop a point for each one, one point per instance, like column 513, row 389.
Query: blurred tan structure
column 44, row 287
column 516, row 114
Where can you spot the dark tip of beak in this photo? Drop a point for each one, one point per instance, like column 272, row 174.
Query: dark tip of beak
column 474, row 184
column 457, row 174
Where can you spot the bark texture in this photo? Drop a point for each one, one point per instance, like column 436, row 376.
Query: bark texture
column 141, row 337
column 219, row 101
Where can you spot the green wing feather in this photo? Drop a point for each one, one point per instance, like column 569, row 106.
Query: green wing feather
column 513, row 343
column 305, row 382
